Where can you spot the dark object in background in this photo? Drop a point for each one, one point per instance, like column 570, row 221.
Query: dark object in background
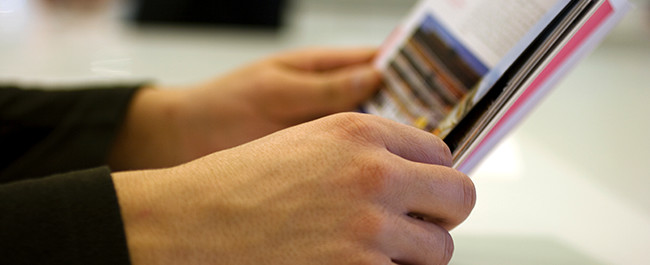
column 256, row 13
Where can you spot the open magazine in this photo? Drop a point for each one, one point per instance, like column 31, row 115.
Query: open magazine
column 468, row 70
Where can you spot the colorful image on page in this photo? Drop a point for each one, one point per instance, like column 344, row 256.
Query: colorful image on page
column 449, row 54
column 428, row 77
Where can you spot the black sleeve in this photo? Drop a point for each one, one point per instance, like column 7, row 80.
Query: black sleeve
column 63, row 219
column 44, row 132
column 72, row 218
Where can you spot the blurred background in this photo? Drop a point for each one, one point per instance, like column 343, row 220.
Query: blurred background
column 568, row 186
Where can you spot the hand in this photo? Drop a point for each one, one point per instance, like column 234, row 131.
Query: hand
column 168, row 127
column 339, row 190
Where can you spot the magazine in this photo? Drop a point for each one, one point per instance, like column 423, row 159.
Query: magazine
column 468, row 70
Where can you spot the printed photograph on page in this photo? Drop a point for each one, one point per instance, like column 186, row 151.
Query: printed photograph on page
column 449, row 53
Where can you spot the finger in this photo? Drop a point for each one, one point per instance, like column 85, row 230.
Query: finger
column 435, row 194
column 410, row 241
column 319, row 94
column 406, row 141
column 342, row 90
column 324, row 59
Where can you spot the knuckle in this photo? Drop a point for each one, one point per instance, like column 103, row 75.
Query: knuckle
column 366, row 226
column 463, row 197
column 355, row 125
column 372, row 177
column 468, row 193
column 446, row 155
column 447, row 249
column 442, row 154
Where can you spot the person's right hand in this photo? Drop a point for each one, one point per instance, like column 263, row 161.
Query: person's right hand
column 344, row 189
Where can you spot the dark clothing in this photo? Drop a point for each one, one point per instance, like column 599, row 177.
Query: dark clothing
column 49, row 132
column 69, row 218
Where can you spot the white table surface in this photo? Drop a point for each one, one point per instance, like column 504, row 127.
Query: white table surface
column 569, row 186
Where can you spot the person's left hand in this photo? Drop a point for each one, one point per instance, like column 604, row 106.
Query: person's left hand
column 167, row 127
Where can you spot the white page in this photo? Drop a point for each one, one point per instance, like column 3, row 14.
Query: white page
column 490, row 28
column 486, row 35
column 510, row 116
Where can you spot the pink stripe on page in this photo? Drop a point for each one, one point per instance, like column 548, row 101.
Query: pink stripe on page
column 576, row 41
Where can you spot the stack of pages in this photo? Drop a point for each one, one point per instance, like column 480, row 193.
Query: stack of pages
column 469, row 70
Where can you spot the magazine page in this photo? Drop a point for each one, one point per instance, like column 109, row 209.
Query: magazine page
column 591, row 29
column 448, row 53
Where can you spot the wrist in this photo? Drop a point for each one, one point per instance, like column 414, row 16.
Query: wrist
column 136, row 197
column 159, row 213
column 149, row 136
column 149, row 213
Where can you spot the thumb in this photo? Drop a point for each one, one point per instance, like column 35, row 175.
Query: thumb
column 364, row 82
column 346, row 89
column 319, row 94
